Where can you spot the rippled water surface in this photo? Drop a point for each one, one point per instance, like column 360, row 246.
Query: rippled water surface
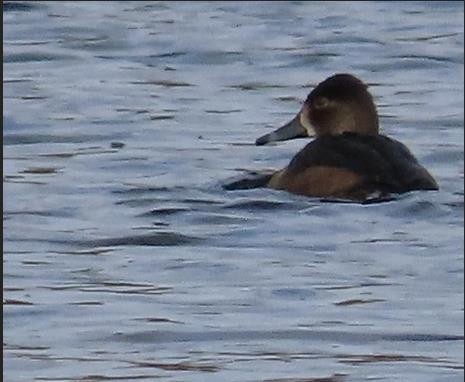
column 125, row 260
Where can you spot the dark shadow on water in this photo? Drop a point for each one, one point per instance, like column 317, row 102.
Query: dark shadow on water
column 156, row 239
column 12, row 6
column 299, row 335
column 153, row 239
column 260, row 205
column 165, row 211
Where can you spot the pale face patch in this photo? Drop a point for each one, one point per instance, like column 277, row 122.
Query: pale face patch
column 305, row 120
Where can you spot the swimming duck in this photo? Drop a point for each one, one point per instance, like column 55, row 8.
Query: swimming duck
column 348, row 159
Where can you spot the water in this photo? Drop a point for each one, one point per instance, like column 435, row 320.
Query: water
column 125, row 260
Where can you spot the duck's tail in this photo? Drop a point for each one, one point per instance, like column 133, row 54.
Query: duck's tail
column 253, row 179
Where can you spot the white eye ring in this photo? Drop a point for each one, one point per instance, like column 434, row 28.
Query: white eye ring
column 320, row 102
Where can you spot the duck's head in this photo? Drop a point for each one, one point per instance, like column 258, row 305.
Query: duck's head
column 339, row 104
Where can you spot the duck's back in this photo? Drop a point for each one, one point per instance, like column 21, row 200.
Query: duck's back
column 383, row 164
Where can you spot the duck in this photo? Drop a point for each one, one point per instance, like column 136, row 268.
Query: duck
column 348, row 158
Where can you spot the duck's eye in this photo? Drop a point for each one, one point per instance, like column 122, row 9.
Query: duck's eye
column 320, row 102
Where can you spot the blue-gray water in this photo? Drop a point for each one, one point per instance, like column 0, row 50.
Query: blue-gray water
column 125, row 260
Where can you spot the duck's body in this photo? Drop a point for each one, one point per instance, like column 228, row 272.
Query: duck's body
column 348, row 159
column 352, row 166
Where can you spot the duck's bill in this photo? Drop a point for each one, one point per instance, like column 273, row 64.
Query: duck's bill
column 297, row 128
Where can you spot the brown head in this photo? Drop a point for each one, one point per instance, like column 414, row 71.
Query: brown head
column 339, row 104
